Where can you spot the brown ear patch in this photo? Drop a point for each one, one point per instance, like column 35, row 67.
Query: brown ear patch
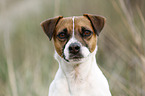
column 49, row 25
column 97, row 22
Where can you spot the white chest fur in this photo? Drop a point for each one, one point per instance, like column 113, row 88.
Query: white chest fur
column 84, row 79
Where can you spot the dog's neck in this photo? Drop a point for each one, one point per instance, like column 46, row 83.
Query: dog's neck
column 77, row 72
column 79, row 76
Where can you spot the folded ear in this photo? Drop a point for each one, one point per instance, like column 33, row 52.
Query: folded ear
column 97, row 22
column 48, row 26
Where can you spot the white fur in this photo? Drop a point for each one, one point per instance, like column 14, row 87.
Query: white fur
column 73, row 19
column 85, row 79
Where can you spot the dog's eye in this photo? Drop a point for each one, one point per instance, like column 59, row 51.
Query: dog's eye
column 62, row 35
column 87, row 33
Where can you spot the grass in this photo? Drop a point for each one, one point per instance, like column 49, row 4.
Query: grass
column 27, row 66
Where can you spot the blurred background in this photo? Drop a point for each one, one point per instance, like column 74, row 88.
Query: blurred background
column 27, row 65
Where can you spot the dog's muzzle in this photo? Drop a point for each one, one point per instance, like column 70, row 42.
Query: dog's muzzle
column 75, row 51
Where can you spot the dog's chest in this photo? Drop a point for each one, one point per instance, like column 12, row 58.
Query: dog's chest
column 87, row 81
column 85, row 88
column 76, row 88
column 79, row 87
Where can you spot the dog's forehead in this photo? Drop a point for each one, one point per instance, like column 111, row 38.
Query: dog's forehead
column 82, row 20
column 68, row 22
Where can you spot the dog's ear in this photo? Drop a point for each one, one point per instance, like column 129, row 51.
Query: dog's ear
column 97, row 22
column 48, row 26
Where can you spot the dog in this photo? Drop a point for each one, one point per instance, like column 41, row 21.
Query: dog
column 75, row 40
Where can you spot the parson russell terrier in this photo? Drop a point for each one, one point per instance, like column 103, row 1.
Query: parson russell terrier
column 75, row 41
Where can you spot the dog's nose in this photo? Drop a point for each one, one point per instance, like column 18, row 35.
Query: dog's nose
column 74, row 48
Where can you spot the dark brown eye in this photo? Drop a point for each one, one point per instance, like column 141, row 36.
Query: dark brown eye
column 87, row 33
column 62, row 35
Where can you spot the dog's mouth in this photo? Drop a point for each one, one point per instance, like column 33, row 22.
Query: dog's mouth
column 76, row 57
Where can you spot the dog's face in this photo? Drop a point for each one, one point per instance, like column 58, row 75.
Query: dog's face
column 74, row 37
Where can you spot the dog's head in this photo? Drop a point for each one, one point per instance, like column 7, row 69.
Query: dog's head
column 74, row 37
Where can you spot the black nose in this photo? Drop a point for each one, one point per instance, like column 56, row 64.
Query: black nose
column 74, row 48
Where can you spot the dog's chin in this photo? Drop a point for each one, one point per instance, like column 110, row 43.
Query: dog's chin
column 76, row 60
